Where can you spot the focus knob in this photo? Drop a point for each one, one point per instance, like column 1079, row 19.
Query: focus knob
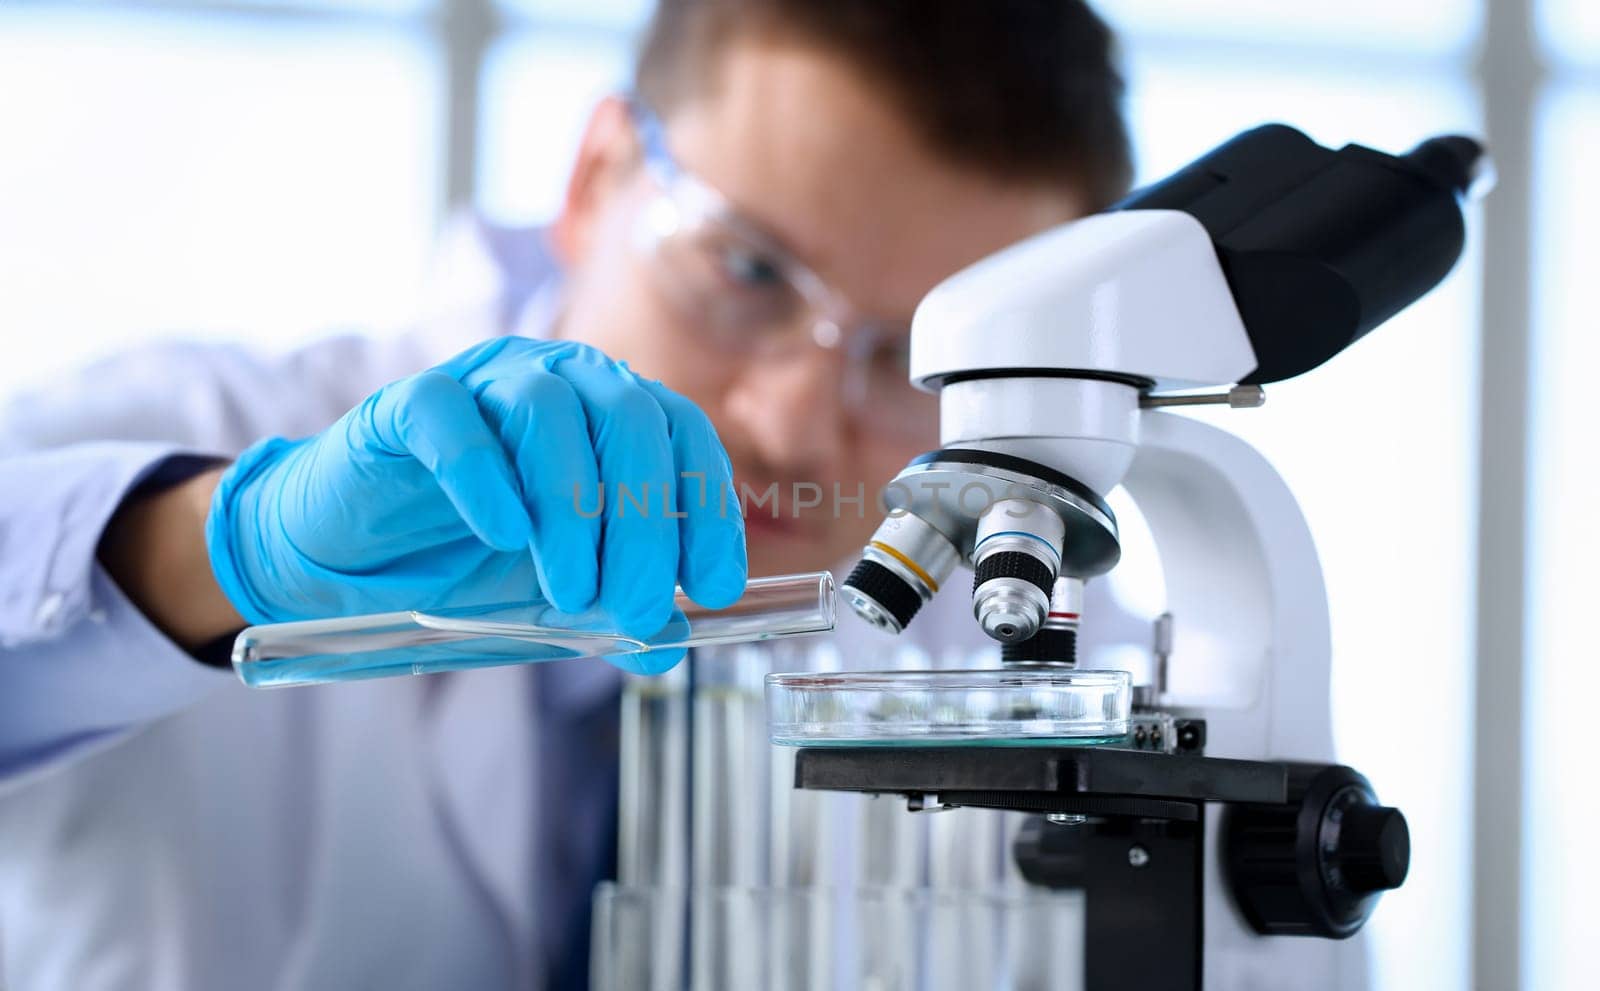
column 1374, row 848
column 1315, row 865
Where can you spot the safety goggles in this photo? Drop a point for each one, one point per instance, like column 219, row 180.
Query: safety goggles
column 749, row 296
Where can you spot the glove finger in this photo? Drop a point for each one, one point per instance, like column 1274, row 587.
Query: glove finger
column 541, row 421
column 712, row 565
column 433, row 419
column 638, row 542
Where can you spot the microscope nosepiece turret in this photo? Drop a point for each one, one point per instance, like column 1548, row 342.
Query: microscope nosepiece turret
column 1021, row 525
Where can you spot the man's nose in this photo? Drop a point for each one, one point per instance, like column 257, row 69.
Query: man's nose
column 792, row 407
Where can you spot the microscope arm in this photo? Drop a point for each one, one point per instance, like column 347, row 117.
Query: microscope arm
column 1251, row 641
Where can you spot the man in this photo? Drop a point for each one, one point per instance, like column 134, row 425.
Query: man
column 753, row 228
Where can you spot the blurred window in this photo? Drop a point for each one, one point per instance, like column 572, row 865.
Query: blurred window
column 183, row 173
column 269, row 170
column 313, row 6
column 538, row 89
column 614, row 15
column 1570, row 29
column 1560, row 875
column 1445, row 27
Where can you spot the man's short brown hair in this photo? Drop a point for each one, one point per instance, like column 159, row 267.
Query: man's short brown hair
column 1021, row 89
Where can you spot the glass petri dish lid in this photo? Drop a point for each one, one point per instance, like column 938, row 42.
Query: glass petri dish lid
column 989, row 707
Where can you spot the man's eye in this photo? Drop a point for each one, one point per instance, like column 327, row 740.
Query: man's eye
column 747, row 268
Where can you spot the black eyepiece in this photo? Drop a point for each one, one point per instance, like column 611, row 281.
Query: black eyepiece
column 1456, row 162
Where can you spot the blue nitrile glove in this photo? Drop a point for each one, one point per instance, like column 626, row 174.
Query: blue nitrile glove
column 456, row 487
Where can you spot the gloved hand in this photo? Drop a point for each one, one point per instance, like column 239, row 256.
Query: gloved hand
column 479, row 482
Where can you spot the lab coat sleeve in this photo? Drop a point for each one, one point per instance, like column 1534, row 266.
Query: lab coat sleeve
column 80, row 665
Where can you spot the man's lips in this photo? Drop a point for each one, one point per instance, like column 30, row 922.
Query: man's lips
column 762, row 523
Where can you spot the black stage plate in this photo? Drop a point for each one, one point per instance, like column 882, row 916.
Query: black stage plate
column 1028, row 777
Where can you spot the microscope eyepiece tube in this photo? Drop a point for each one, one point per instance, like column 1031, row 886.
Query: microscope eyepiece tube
column 1015, row 561
column 901, row 567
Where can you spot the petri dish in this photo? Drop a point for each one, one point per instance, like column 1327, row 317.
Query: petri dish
column 988, row 707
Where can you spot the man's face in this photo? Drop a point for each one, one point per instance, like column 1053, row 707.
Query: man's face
column 810, row 153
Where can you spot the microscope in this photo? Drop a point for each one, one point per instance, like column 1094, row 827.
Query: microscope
column 1216, row 841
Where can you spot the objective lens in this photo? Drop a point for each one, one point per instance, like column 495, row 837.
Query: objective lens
column 1014, row 563
column 1056, row 643
column 902, row 567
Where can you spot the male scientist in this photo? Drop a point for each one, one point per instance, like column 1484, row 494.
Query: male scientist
column 723, row 297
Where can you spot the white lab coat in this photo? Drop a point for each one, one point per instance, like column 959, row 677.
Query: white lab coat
column 162, row 826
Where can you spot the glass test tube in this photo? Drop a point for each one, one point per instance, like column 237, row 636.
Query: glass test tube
column 424, row 642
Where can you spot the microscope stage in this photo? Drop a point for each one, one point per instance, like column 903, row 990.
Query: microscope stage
column 1092, row 780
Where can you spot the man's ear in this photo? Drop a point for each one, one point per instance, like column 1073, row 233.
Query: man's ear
column 605, row 159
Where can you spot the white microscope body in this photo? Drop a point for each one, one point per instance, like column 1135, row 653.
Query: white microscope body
column 1052, row 358
column 1250, row 635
